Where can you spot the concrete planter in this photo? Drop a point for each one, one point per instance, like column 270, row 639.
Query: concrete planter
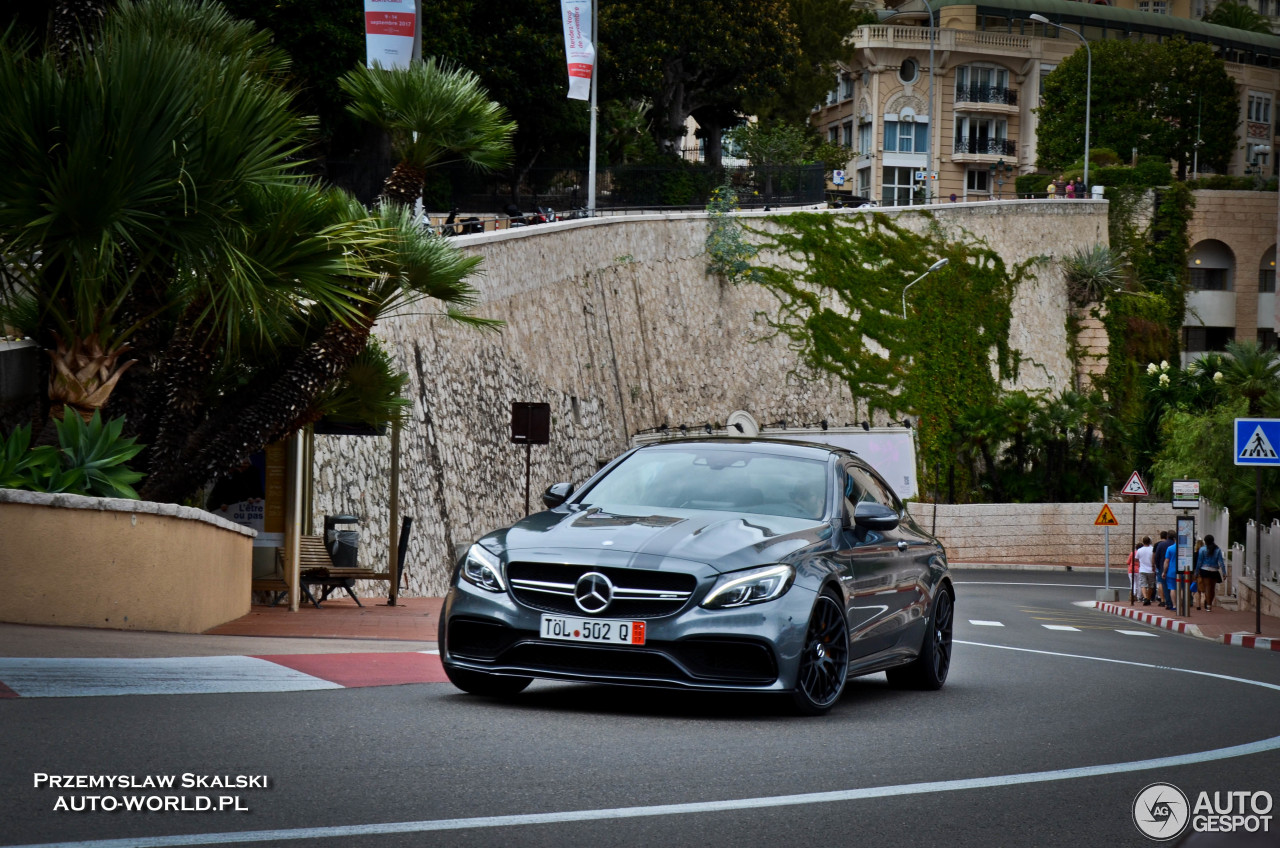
column 120, row 564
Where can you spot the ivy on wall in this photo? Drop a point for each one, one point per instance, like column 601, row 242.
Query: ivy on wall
column 840, row 283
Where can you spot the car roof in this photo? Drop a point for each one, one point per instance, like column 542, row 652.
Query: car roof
column 780, row 447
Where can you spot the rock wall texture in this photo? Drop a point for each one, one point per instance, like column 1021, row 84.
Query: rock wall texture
column 1050, row 534
column 615, row 323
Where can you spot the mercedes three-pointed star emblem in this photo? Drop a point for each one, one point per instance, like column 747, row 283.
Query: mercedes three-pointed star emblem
column 593, row 592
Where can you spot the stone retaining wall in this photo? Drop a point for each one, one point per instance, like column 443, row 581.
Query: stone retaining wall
column 616, row 324
column 1050, row 534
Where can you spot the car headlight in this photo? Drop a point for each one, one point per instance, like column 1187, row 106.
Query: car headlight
column 750, row 587
column 482, row 568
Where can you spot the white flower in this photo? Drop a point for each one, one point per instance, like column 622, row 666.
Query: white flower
column 1164, row 379
column 1217, row 376
column 1151, row 368
column 1164, row 365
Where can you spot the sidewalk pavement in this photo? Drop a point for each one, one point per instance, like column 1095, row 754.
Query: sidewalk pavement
column 1228, row 626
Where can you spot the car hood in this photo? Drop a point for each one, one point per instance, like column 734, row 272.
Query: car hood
column 644, row 537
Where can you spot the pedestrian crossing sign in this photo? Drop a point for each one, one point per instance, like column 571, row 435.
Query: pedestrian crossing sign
column 1256, row 441
column 1135, row 486
column 1106, row 518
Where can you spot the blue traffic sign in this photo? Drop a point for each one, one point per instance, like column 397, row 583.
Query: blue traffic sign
column 1257, row 440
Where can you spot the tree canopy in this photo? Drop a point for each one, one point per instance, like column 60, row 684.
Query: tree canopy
column 1157, row 98
column 160, row 238
column 1229, row 13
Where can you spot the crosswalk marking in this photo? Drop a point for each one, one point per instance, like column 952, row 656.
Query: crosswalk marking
column 980, row 623
column 1060, row 627
column 1136, row 633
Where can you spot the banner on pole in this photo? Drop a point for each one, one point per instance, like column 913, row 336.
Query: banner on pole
column 389, row 30
column 579, row 50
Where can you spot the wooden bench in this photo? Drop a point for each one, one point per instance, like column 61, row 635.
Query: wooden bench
column 316, row 568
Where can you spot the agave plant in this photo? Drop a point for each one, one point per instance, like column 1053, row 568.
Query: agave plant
column 89, row 460
column 1092, row 273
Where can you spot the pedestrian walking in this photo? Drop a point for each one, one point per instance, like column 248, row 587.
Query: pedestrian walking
column 1146, row 571
column 1132, row 562
column 1209, row 568
column 1171, row 573
column 1157, row 555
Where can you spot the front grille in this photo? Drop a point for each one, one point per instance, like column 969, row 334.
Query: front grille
column 636, row 593
column 690, row 661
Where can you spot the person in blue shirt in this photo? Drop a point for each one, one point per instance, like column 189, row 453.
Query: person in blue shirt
column 1171, row 573
column 1210, row 570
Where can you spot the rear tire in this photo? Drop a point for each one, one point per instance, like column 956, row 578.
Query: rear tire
column 824, row 662
column 928, row 671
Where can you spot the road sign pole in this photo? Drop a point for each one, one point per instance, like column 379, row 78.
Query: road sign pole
column 1257, row 550
column 1106, row 545
column 1133, row 546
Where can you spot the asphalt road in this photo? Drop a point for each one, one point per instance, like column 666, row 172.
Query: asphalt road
column 1043, row 736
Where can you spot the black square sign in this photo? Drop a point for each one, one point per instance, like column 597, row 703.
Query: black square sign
column 530, row 423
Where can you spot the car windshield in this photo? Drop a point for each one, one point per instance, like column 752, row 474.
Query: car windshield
column 716, row 479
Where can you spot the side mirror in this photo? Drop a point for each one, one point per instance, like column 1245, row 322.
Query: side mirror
column 557, row 494
column 874, row 516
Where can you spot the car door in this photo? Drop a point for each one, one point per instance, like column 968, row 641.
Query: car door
column 868, row 560
column 914, row 551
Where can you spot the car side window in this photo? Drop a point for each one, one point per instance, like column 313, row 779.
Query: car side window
column 874, row 491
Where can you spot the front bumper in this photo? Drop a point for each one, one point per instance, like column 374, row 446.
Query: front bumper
column 755, row 648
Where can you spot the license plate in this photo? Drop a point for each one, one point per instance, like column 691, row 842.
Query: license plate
column 599, row 630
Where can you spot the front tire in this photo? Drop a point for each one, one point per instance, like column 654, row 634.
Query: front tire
column 824, row 662
column 478, row 682
column 928, row 671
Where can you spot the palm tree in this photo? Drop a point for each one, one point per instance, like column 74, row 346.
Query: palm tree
column 1252, row 372
column 154, row 210
column 1228, row 13
column 436, row 114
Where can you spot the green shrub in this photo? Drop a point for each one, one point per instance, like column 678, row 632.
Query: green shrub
column 89, row 460
column 1032, row 184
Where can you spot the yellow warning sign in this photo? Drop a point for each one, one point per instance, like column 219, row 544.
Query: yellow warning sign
column 1106, row 518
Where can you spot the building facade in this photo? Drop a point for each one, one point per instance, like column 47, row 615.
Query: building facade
column 989, row 63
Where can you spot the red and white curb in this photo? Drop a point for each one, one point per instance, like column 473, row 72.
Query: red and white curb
column 22, row 677
column 1262, row 643
column 1150, row 618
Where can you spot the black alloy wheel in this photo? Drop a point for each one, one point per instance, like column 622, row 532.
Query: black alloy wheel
column 824, row 663
column 929, row 669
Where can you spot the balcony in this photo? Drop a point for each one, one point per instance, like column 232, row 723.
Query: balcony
column 976, row 96
column 953, row 40
column 985, row 147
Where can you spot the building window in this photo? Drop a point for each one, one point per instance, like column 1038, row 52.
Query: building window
column 977, row 182
column 847, row 130
column 906, row 137
column 864, row 182
column 1264, row 7
column 1201, row 339
column 1210, row 279
column 1158, row 7
column 898, row 187
column 846, row 87
column 984, row 84
column 833, row 135
column 1259, row 108
column 909, row 71
column 1267, row 339
column 983, row 135
column 1266, row 281
column 865, row 145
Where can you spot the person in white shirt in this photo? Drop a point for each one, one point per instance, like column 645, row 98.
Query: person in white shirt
column 1146, row 571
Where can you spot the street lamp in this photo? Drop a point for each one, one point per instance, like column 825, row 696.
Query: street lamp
column 999, row 170
column 1088, row 86
column 935, row 266
column 929, row 158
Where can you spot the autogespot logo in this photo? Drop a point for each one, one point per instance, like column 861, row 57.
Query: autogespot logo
column 1160, row 811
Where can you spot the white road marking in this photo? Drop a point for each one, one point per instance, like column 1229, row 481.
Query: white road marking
column 617, row 813
column 1061, row 627
column 980, row 623
column 1137, row 633
column 74, row 677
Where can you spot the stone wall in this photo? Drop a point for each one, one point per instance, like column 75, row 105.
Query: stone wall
column 1046, row 534
column 615, row 323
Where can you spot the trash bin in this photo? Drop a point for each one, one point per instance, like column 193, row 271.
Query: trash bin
column 343, row 545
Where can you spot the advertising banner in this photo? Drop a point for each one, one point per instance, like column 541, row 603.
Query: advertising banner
column 578, row 47
column 389, row 29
